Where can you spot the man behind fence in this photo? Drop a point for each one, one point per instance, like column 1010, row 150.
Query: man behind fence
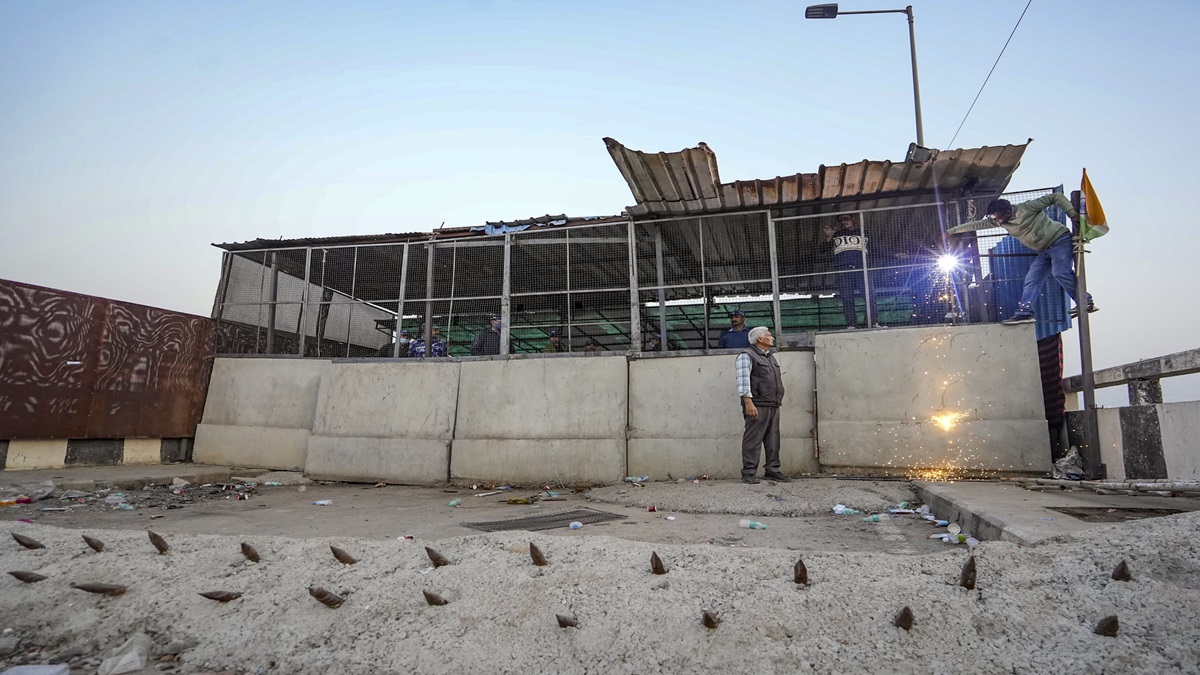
column 760, row 386
column 1051, row 239
column 487, row 342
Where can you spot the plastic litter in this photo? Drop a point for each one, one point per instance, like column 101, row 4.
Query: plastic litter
column 651, row 508
column 404, row 537
column 876, row 518
column 454, row 502
column 1070, row 467
column 74, row 494
column 636, row 479
column 487, row 494
column 128, row 658
column 843, row 510
column 179, row 483
column 44, row 490
column 576, row 525
column 751, row 524
column 670, row 517
column 323, row 502
column 126, row 506
column 115, row 498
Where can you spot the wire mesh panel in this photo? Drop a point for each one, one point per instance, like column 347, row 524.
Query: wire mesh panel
column 863, row 268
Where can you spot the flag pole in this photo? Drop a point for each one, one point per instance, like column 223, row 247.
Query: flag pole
column 1093, row 468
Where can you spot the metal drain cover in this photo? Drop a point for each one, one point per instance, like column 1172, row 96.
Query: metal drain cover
column 1113, row 515
column 545, row 521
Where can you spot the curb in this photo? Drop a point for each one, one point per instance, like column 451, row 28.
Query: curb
column 984, row 526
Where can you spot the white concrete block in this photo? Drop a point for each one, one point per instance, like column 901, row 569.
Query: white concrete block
column 566, row 398
column 411, row 461
column 36, row 454
column 260, row 447
column 142, row 451
column 388, row 400
column 533, row 461
column 278, row 393
column 1180, row 423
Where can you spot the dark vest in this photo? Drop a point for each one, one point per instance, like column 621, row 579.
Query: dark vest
column 766, row 379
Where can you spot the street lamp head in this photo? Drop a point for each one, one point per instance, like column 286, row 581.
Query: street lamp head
column 829, row 11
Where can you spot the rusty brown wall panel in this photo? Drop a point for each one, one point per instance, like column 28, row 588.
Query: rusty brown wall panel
column 76, row 366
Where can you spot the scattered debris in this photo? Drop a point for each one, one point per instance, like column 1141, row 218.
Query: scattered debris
column 323, row 502
column 130, row 657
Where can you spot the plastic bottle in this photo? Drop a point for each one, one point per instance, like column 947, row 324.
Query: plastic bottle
column 843, row 510
column 454, row 502
column 323, row 502
column 751, row 524
column 576, row 525
column 875, row 518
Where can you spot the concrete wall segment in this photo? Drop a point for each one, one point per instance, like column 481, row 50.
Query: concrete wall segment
column 278, row 393
column 533, row 461
column 563, row 398
column 388, row 400
column 1180, row 424
column 259, row 447
column 411, row 461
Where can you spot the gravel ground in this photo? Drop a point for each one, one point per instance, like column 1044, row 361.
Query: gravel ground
column 1032, row 612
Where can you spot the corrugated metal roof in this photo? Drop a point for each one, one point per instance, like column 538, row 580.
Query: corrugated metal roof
column 687, row 182
column 401, row 237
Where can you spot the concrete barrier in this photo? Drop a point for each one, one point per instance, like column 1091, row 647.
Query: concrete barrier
column 388, row 421
column 539, row 420
column 259, row 412
column 956, row 397
column 1149, row 442
column 685, row 417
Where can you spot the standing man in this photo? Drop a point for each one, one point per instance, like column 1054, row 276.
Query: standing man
column 737, row 337
column 555, row 344
column 760, row 385
column 416, row 348
column 487, row 342
column 847, row 246
column 1051, row 239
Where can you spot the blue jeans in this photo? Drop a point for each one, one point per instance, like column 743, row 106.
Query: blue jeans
column 1056, row 261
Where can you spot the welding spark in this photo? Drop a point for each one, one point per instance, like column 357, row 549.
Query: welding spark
column 946, row 420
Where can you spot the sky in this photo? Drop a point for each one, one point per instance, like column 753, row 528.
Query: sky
column 135, row 134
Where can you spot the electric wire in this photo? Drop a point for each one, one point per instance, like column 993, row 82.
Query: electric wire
column 989, row 75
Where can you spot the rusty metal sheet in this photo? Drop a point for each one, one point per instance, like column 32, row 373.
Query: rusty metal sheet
column 76, row 366
column 688, row 182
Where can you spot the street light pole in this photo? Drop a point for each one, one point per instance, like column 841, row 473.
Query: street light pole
column 830, row 11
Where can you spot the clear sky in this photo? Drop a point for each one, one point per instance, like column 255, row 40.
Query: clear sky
column 134, row 134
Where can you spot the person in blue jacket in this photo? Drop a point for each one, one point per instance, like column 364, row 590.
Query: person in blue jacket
column 738, row 336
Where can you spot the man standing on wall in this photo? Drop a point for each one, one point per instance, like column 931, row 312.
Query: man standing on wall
column 1051, row 239
column 737, row 337
column 487, row 342
column 760, row 386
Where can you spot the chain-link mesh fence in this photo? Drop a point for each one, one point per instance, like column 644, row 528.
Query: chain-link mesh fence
column 673, row 283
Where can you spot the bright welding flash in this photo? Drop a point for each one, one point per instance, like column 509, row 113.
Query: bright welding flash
column 947, row 263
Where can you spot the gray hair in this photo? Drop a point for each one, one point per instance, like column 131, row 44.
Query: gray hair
column 756, row 333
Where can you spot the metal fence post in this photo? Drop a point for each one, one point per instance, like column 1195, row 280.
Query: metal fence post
column 1092, row 466
column 635, row 300
column 427, row 327
column 774, row 249
column 301, row 315
column 506, row 296
column 662, row 292
column 400, row 303
column 223, row 285
column 272, row 299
